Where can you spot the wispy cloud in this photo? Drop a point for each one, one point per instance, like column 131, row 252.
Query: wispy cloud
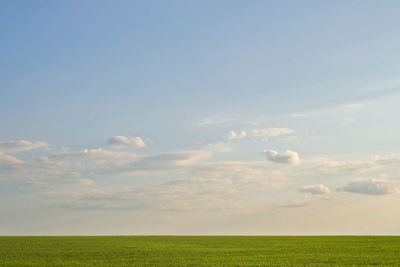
column 187, row 194
column 125, row 142
column 20, row 145
column 295, row 204
column 331, row 167
column 214, row 121
column 333, row 110
column 270, row 132
column 8, row 160
column 264, row 133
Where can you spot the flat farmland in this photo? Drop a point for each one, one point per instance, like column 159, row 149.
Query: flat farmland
column 200, row 251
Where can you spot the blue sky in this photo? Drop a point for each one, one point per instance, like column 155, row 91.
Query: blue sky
column 199, row 117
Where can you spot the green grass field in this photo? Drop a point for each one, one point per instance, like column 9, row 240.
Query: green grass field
column 200, row 251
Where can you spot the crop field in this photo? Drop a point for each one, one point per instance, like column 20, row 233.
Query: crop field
column 201, row 251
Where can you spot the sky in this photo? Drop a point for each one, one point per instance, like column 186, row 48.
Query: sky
column 199, row 117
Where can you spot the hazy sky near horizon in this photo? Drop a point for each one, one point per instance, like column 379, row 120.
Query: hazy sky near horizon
column 199, row 117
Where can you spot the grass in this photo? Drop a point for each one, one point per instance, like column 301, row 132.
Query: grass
column 201, row 251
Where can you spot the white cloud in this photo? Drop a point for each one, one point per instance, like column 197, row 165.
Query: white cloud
column 314, row 189
column 369, row 187
column 125, row 142
column 20, row 145
column 270, row 132
column 234, row 135
column 289, row 157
